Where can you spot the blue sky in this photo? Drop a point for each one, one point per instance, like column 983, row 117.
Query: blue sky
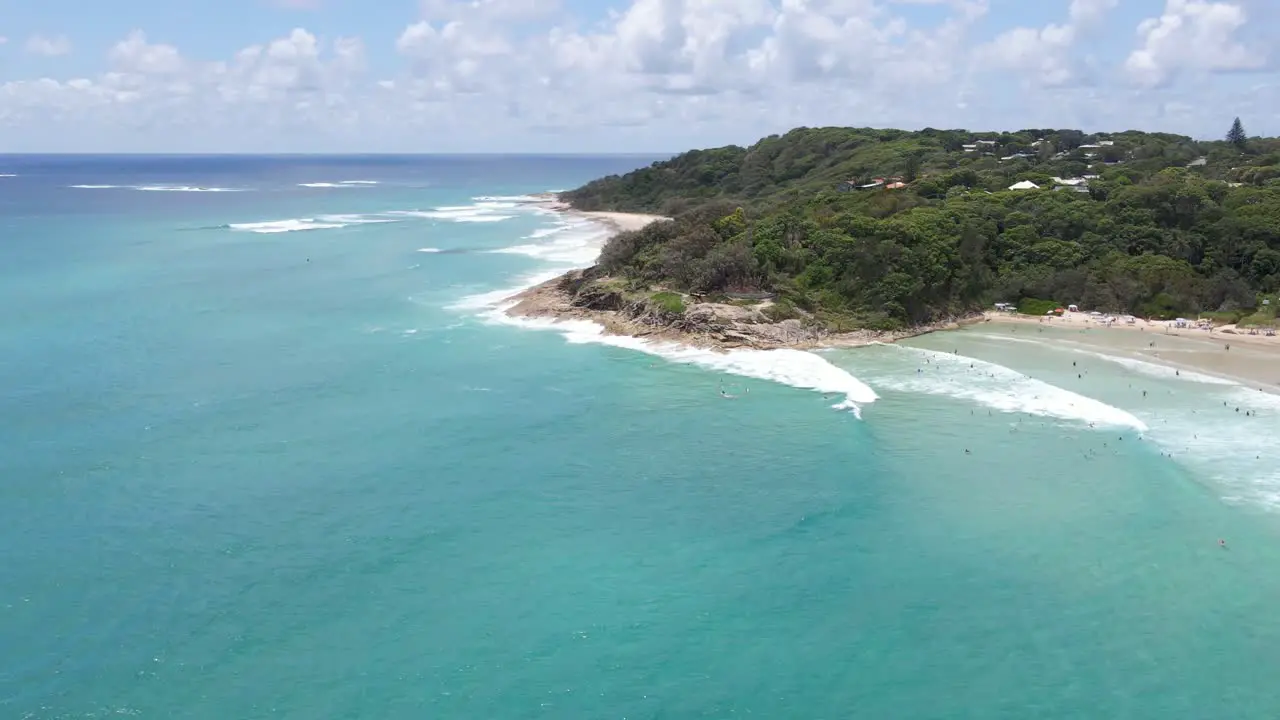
column 637, row 75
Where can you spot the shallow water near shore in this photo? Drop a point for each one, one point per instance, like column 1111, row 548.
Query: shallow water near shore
column 297, row 473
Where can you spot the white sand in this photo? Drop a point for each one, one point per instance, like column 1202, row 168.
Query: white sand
column 1221, row 335
column 1253, row 359
column 623, row 222
column 618, row 221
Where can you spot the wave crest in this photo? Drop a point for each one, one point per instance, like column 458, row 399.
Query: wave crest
column 323, row 222
column 1001, row 388
column 160, row 188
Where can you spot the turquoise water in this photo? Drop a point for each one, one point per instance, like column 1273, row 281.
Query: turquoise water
column 308, row 474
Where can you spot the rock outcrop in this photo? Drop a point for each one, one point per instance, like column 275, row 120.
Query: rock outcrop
column 591, row 295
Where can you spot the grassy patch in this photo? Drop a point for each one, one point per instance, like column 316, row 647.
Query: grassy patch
column 1224, row 318
column 669, row 302
column 1266, row 317
column 780, row 310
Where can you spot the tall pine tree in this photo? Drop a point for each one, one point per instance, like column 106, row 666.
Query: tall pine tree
column 1236, row 135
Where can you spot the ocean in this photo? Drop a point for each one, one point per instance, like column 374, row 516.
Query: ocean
column 269, row 449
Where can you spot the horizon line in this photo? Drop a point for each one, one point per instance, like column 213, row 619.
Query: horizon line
column 337, row 154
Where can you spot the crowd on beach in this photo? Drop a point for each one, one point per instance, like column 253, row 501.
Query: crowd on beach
column 1201, row 329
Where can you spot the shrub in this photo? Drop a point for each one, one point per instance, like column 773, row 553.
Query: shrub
column 669, row 302
column 780, row 310
column 1034, row 306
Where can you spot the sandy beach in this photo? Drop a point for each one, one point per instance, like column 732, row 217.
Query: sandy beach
column 1221, row 335
column 617, row 221
column 1252, row 359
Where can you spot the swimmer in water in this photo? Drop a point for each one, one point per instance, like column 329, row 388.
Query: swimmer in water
column 1222, row 543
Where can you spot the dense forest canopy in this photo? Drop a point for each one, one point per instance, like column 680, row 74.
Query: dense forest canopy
column 881, row 228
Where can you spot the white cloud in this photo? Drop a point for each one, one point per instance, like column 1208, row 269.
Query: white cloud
column 49, row 46
column 1191, row 36
column 528, row 74
column 508, row 10
column 1047, row 55
column 1084, row 13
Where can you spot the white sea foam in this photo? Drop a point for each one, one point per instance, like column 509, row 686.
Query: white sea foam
column 1157, row 370
column 1150, row 369
column 7, row 175
column 321, row 222
column 507, row 198
column 548, row 232
column 1006, row 338
column 575, row 249
column 429, row 250
column 1222, row 434
column 483, row 205
column 479, row 213
column 283, row 226
column 359, row 219
column 1001, row 388
column 795, row 368
column 160, row 188
column 339, row 184
column 185, row 188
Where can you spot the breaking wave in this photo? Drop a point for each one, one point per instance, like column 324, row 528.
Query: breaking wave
column 577, row 243
column 323, row 222
column 160, row 188
column 339, row 184
column 1156, row 370
column 508, row 199
column 1000, row 388
column 796, row 368
column 487, row 211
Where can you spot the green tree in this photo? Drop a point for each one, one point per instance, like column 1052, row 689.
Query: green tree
column 1150, row 236
column 912, row 167
column 1236, row 135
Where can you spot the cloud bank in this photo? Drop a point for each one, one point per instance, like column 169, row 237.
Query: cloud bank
column 509, row 75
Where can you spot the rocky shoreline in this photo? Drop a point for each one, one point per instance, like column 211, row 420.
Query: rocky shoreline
column 590, row 295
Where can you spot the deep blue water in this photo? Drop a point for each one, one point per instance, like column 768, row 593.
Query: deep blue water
column 263, row 457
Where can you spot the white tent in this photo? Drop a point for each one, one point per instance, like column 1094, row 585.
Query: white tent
column 1024, row 185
